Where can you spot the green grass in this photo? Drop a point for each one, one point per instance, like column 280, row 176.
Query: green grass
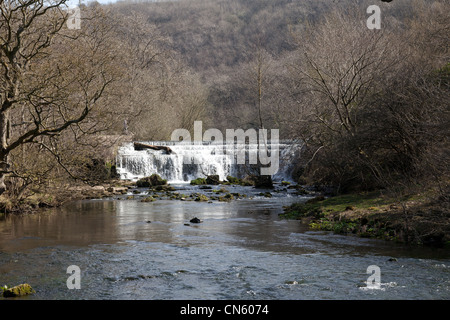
column 317, row 208
column 360, row 201
column 378, row 215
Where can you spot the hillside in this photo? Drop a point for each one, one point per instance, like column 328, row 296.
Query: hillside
column 214, row 33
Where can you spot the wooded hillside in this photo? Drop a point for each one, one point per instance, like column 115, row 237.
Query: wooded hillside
column 371, row 106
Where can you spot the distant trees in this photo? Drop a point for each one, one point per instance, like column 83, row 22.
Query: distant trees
column 370, row 105
column 157, row 93
column 216, row 38
column 63, row 91
column 339, row 68
column 373, row 105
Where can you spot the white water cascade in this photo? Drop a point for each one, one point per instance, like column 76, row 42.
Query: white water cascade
column 189, row 161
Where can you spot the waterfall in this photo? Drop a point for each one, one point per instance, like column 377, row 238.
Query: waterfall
column 189, row 161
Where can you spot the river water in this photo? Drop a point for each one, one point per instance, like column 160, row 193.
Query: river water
column 127, row 249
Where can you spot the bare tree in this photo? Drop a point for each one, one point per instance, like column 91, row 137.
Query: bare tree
column 51, row 76
column 371, row 102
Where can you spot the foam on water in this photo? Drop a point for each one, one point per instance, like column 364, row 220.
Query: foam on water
column 189, row 161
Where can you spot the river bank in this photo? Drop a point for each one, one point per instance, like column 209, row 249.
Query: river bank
column 59, row 194
column 416, row 219
column 56, row 195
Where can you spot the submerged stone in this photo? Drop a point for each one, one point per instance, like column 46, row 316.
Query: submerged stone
column 226, row 198
column 148, row 199
column 265, row 194
column 165, row 187
column 201, row 197
column 392, row 259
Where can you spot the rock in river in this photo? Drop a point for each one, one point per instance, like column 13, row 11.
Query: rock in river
column 195, row 220
column 17, row 291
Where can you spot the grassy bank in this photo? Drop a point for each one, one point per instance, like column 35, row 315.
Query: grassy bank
column 414, row 219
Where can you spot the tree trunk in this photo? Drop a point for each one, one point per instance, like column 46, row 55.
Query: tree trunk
column 142, row 146
column 4, row 166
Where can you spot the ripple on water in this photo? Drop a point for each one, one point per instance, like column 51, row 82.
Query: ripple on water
column 232, row 255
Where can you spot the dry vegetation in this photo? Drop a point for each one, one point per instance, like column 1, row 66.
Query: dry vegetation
column 371, row 106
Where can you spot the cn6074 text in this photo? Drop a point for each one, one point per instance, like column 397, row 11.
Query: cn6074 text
column 246, row 309
column 234, row 309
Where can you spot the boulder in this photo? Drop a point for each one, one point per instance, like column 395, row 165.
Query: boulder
column 263, row 182
column 118, row 190
column 198, row 181
column 213, row 179
column 195, row 220
column 233, row 180
column 247, row 181
column 151, row 181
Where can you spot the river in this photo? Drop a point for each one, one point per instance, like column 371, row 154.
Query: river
column 127, row 249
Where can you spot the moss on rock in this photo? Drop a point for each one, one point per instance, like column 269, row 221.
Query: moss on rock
column 148, row 199
column 198, row 181
column 18, row 291
column 201, row 197
column 213, row 179
column 410, row 220
column 242, row 182
column 151, row 181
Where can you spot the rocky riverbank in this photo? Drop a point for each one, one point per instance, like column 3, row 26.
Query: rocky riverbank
column 415, row 219
column 155, row 188
column 55, row 196
column 418, row 219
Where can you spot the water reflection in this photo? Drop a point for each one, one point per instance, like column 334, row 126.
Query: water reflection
column 81, row 223
column 129, row 249
column 252, row 224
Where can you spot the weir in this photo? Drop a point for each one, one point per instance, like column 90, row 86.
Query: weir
column 190, row 160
